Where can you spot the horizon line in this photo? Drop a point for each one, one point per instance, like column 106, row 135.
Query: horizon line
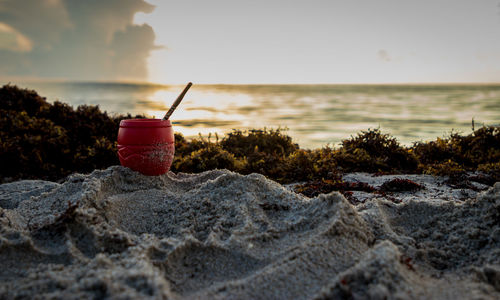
column 155, row 83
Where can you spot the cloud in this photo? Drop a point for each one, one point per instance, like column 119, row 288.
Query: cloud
column 75, row 39
column 12, row 40
column 130, row 59
column 384, row 55
column 41, row 21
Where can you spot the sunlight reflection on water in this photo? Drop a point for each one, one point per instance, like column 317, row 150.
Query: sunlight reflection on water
column 315, row 114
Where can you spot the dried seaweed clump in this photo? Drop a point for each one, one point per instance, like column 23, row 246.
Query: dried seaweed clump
column 49, row 141
column 210, row 157
column 314, row 188
column 373, row 151
column 454, row 155
column 400, row 185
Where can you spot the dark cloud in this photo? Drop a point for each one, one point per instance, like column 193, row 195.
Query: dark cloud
column 132, row 61
column 42, row 21
column 75, row 39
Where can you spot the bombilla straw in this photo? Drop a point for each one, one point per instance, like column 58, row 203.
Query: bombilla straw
column 177, row 101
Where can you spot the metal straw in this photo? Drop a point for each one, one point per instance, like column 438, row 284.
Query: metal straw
column 177, row 101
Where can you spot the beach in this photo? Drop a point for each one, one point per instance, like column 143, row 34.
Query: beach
column 117, row 234
column 322, row 150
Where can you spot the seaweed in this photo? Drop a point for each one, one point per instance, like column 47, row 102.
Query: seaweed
column 456, row 154
column 373, row 151
column 208, row 158
column 400, row 185
column 245, row 143
column 40, row 140
column 299, row 166
column 314, row 188
column 47, row 141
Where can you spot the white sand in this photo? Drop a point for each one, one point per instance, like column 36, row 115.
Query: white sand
column 219, row 235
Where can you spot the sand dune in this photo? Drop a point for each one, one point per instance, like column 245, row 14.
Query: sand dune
column 220, row 235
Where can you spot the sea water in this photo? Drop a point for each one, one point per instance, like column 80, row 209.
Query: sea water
column 315, row 115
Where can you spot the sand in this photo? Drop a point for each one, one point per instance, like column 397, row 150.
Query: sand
column 219, row 235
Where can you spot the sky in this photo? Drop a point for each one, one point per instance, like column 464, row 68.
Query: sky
column 238, row 42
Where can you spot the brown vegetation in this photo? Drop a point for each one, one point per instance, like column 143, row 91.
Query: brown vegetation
column 50, row 141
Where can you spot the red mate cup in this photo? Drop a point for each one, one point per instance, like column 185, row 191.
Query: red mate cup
column 146, row 145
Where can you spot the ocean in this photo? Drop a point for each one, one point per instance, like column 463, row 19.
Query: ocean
column 314, row 115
